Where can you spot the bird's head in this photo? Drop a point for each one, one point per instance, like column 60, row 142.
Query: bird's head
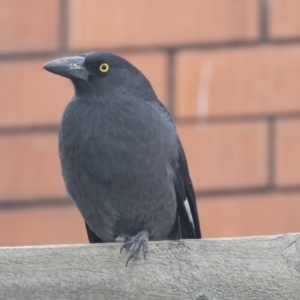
column 99, row 73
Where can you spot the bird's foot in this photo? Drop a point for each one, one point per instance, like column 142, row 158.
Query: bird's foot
column 135, row 243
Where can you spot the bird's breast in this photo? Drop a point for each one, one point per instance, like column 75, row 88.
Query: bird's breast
column 118, row 137
column 119, row 160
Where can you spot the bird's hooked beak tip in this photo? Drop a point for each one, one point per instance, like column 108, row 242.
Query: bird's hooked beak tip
column 48, row 66
column 70, row 67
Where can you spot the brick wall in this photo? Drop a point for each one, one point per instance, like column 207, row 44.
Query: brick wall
column 229, row 71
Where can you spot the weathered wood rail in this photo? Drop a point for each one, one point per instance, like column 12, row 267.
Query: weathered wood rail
column 266, row 267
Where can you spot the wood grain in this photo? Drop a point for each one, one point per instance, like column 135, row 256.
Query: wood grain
column 266, row 267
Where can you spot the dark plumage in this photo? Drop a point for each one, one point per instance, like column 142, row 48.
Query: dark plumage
column 121, row 158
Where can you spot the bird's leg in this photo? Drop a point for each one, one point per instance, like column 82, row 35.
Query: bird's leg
column 123, row 238
column 141, row 239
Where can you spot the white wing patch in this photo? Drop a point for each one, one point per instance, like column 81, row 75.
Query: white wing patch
column 188, row 210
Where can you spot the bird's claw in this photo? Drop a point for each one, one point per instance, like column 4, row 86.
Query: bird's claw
column 135, row 243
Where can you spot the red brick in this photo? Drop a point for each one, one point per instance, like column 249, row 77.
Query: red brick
column 287, row 153
column 154, row 66
column 30, row 167
column 226, row 156
column 44, row 226
column 284, row 16
column 104, row 24
column 30, row 25
column 238, row 81
column 30, row 95
column 247, row 215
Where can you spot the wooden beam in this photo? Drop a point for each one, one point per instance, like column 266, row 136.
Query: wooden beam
column 253, row 268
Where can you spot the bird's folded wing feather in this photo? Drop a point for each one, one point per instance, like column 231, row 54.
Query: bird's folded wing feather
column 188, row 226
column 93, row 238
column 188, row 220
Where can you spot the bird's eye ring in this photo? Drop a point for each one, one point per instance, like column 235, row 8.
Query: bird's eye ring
column 103, row 68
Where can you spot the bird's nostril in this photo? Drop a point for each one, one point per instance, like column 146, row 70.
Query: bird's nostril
column 75, row 66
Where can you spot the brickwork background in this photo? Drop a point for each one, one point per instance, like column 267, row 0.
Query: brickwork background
column 229, row 72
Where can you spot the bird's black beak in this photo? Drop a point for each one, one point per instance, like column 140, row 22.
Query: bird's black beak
column 70, row 67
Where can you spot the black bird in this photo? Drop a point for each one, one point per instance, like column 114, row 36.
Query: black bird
column 122, row 161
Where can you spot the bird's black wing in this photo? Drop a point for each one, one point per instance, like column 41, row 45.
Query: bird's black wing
column 93, row 238
column 187, row 225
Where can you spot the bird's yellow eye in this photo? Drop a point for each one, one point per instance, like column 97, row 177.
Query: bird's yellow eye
column 103, row 68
